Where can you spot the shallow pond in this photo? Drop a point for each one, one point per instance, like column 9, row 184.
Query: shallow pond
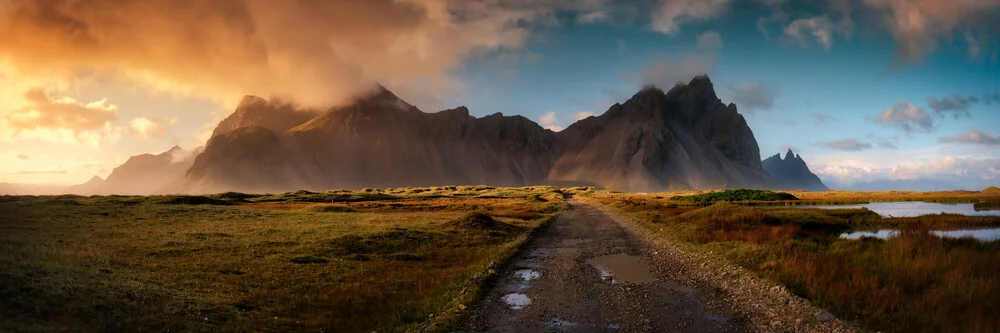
column 985, row 235
column 913, row 208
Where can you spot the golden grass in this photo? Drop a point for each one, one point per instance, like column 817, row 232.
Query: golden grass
column 284, row 263
column 915, row 282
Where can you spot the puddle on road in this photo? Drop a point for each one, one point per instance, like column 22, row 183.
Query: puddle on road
column 517, row 301
column 559, row 324
column 717, row 319
column 527, row 274
column 614, row 326
column 622, row 268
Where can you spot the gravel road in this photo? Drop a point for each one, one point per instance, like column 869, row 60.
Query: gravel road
column 589, row 273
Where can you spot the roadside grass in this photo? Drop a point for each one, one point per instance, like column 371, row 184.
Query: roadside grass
column 914, row 282
column 341, row 260
column 736, row 195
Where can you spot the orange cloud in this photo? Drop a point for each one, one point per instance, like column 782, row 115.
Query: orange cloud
column 59, row 120
column 315, row 52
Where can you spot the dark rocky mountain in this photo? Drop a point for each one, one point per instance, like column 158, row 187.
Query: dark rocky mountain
column 793, row 173
column 684, row 138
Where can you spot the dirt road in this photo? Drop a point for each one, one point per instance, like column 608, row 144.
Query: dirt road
column 587, row 273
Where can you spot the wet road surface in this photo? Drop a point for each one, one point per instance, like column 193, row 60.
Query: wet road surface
column 587, row 273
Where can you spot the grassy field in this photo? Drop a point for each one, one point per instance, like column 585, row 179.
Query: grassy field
column 385, row 260
column 914, row 282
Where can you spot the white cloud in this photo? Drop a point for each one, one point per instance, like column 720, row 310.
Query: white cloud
column 850, row 144
column 753, row 96
column 548, row 119
column 669, row 15
column 819, row 27
column 710, row 42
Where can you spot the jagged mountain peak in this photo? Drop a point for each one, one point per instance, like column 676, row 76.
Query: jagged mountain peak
column 789, row 155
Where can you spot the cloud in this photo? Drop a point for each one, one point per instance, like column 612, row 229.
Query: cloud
column 41, row 172
column 973, row 45
column 918, row 24
column 550, row 121
column 819, row 27
column 973, row 136
column 753, row 96
column 950, row 171
column 850, row 144
column 886, row 144
column 23, row 156
column 317, row 53
column 59, row 119
column 582, row 115
column 150, row 128
column 710, row 42
column 667, row 71
column 909, row 117
column 669, row 15
column 957, row 105
column 597, row 16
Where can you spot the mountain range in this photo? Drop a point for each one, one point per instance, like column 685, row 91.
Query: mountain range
column 792, row 172
column 684, row 138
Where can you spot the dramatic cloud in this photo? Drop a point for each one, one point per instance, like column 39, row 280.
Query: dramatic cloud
column 918, row 24
column 909, row 117
column 58, row 120
column 23, row 156
column 973, row 45
column 316, row 52
column 668, row 15
column 957, row 105
column 818, row 27
column 667, row 72
column 150, row 128
column 582, row 115
column 753, row 96
column 550, row 121
column 973, row 136
column 850, row 144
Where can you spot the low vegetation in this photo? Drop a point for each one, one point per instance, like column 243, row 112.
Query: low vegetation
column 913, row 282
column 736, row 195
column 376, row 259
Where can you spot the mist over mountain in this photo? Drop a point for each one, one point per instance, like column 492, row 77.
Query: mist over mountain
column 792, row 172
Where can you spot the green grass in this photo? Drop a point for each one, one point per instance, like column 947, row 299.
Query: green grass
column 340, row 261
column 915, row 282
column 736, row 195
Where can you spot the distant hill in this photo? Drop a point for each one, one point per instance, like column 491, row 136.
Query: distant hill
column 680, row 139
column 147, row 173
column 87, row 188
column 793, row 173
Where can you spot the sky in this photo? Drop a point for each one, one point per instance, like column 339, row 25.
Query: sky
column 873, row 94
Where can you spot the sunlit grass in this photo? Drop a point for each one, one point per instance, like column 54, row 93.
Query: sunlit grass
column 340, row 260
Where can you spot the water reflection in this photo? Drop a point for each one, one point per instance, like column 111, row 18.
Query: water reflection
column 985, row 235
column 915, row 208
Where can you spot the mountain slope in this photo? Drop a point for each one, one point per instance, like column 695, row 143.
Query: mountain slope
column 147, row 173
column 87, row 188
column 793, row 173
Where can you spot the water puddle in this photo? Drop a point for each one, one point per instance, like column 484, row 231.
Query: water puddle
column 915, row 208
column 527, row 274
column 983, row 235
column 613, row 326
column 517, row 301
column 559, row 324
column 622, row 268
column 717, row 319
